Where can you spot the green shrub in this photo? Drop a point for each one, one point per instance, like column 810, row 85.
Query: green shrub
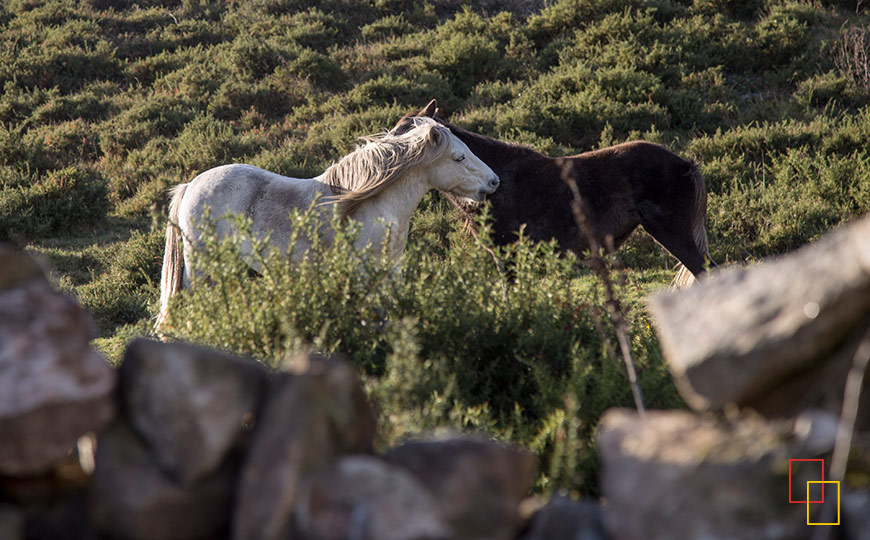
column 465, row 55
column 389, row 26
column 156, row 116
column 61, row 201
column 395, row 89
column 782, row 36
column 22, row 151
column 206, row 142
column 321, row 69
column 17, row 104
column 317, row 30
column 788, row 201
column 123, row 292
column 68, row 68
column 235, row 99
column 197, row 79
column 253, row 59
column 740, row 9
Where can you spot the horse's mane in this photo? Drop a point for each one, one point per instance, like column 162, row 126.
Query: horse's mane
column 383, row 159
column 517, row 149
column 507, row 150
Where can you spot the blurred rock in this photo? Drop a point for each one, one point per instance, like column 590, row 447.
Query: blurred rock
column 778, row 336
column 365, row 498
column 53, row 386
column 65, row 478
column 816, row 430
column 855, row 508
column 17, row 268
column 11, row 522
column 564, row 519
column 674, row 475
column 62, row 519
column 188, row 403
column 131, row 498
column 477, row 482
column 310, row 418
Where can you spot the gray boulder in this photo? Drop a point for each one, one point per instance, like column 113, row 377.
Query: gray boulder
column 565, row 519
column 189, row 404
column 778, row 336
column 310, row 418
column 365, row 498
column 855, row 514
column 65, row 518
column 54, row 387
column 132, row 498
column 11, row 522
column 675, row 475
column 18, row 268
column 478, row 483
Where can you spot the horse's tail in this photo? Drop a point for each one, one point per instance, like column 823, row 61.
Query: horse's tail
column 171, row 276
column 684, row 277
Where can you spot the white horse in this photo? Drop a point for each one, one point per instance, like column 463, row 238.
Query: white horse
column 379, row 185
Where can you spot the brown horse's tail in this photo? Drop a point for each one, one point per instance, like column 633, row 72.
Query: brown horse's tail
column 171, row 276
column 684, row 277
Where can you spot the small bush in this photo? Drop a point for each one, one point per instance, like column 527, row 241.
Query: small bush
column 465, row 55
column 395, row 89
column 60, row 202
column 123, row 293
column 317, row 30
column 254, row 59
column 147, row 119
column 234, row 99
column 206, row 142
column 321, row 69
column 389, row 26
column 68, row 69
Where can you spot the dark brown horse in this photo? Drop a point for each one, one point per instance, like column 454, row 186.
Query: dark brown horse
column 623, row 186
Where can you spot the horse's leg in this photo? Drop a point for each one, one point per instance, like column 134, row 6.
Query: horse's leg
column 676, row 237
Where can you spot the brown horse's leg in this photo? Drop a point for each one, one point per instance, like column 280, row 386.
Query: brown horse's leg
column 679, row 243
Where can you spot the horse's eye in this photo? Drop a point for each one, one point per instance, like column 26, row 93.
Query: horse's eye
column 461, row 158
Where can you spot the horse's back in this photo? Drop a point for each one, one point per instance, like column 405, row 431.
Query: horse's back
column 642, row 162
column 263, row 197
column 246, row 190
column 666, row 195
column 646, row 173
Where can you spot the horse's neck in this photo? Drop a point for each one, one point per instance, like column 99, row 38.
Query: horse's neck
column 391, row 210
column 499, row 155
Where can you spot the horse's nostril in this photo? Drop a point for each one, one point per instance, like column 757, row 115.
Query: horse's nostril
column 495, row 182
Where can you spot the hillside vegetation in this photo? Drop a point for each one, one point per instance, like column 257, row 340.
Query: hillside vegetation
column 106, row 104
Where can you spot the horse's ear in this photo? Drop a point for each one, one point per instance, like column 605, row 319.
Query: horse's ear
column 438, row 134
column 429, row 110
column 435, row 134
column 403, row 126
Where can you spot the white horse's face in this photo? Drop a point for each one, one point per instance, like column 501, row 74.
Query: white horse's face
column 462, row 173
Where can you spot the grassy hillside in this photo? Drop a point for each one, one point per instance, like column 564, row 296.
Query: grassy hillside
column 106, row 104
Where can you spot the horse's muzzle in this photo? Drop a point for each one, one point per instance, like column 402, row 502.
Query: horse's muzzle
column 492, row 185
